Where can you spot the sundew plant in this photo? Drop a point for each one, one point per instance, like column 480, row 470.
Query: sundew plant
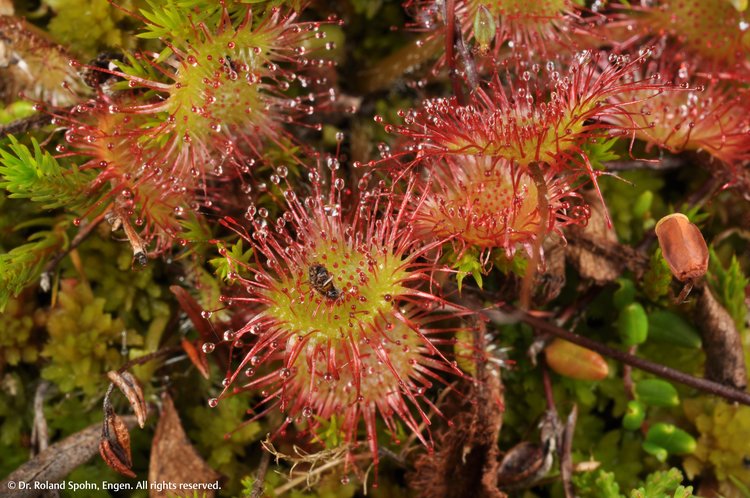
column 489, row 248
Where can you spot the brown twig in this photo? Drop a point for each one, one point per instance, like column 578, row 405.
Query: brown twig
column 665, row 163
column 622, row 255
column 260, row 477
column 25, row 124
column 543, row 209
column 565, row 453
column 39, row 431
column 148, row 357
column 627, row 375
column 657, row 369
column 547, row 383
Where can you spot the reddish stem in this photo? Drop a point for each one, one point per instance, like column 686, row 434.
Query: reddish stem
column 450, row 52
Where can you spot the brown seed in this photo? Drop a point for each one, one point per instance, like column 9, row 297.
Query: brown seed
column 683, row 247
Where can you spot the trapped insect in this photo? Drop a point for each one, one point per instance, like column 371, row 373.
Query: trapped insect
column 322, row 281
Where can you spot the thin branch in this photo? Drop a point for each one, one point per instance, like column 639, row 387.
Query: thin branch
column 25, row 124
column 627, row 375
column 547, row 383
column 450, row 53
column 40, row 432
column 665, row 163
column 148, row 357
column 469, row 67
column 565, row 453
column 260, row 478
column 662, row 371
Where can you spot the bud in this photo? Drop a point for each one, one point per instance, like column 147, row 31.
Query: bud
column 660, row 453
column 634, row 416
column 625, row 294
column 632, row 324
column 672, row 439
column 484, row 28
column 657, row 392
column 573, row 361
column 683, row 247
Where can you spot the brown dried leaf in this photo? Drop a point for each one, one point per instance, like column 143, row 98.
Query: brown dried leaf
column 465, row 463
column 193, row 310
column 549, row 282
column 113, row 457
column 590, row 262
column 725, row 361
column 114, row 446
column 173, row 457
column 58, row 460
column 131, row 388
column 197, row 357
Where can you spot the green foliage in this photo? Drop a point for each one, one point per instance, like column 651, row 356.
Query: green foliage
column 329, row 487
column 601, row 152
column 87, row 27
column 632, row 324
column 625, row 294
column 661, row 484
column 23, row 264
column 84, row 341
column 222, row 265
column 658, row 277
column 656, row 392
column 14, row 421
column 17, row 110
column 329, row 433
column 197, row 234
column 36, row 175
column 16, row 325
column 670, row 328
column 469, row 264
column 369, row 8
column 169, row 21
column 216, row 434
column 598, row 484
column 673, row 439
column 729, row 284
column 724, row 430
column 129, row 293
column 630, row 218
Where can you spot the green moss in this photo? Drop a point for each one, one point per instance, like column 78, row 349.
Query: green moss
column 16, row 327
column 84, row 340
column 88, row 27
column 215, row 433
